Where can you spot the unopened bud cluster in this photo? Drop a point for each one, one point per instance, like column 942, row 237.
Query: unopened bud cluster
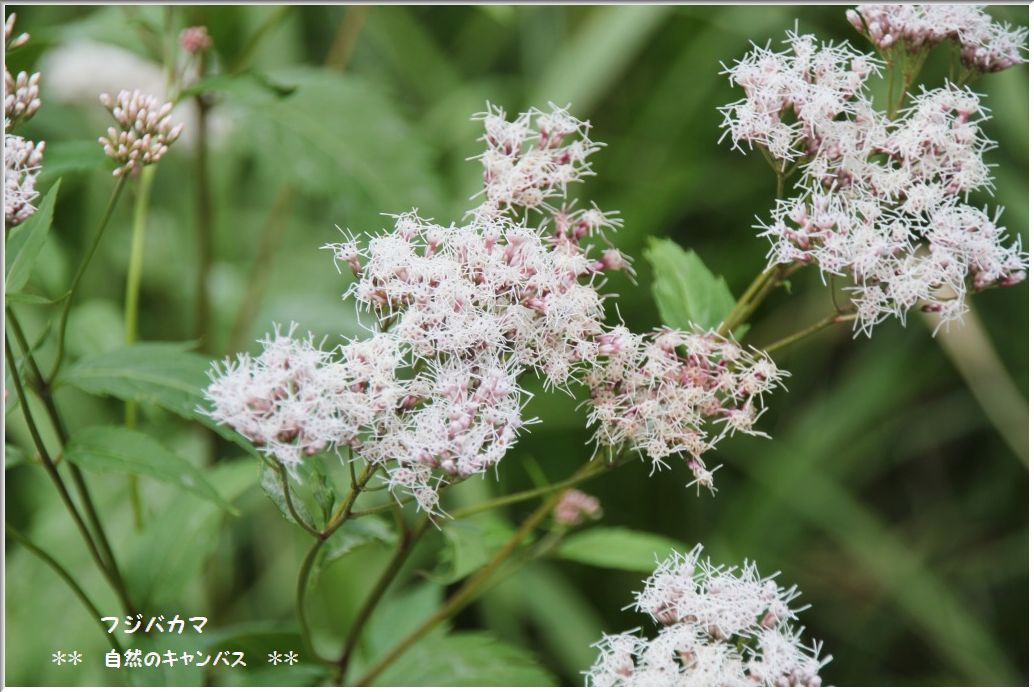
column 984, row 45
column 676, row 393
column 881, row 201
column 22, row 158
column 144, row 130
column 718, row 626
column 575, row 507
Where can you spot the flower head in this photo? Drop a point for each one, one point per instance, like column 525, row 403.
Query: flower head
column 21, row 92
column 195, row 39
column 719, row 626
column 145, row 130
column 22, row 160
column 676, row 393
column 575, row 507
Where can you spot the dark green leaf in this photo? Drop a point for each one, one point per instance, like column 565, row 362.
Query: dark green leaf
column 26, row 240
column 618, row 548
column 121, row 450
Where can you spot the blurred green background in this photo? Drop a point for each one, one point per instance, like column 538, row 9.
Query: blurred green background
column 887, row 493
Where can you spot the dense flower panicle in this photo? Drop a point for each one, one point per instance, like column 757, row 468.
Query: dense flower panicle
column 532, row 159
column 490, row 284
column 145, row 130
column 295, row 399
column 458, row 419
column 719, row 626
column 676, row 393
column 575, row 507
column 891, row 215
column 985, row 46
column 22, row 160
column 816, row 84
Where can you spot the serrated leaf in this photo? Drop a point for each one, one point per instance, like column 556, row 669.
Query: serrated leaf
column 273, row 487
column 167, row 375
column 26, row 241
column 618, row 548
column 106, row 449
column 466, row 659
column 685, row 290
column 469, row 543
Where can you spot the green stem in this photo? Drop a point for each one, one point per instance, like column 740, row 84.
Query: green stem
column 132, row 310
column 70, row 295
column 204, row 216
column 340, row 516
column 46, row 395
column 474, row 584
column 55, row 477
column 407, row 541
column 284, row 482
column 733, row 319
column 835, row 318
column 43, row 555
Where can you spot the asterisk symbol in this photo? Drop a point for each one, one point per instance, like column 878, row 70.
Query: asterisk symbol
column 290, row 658
column 75, row 658
column 58, row 658
column 275, row 658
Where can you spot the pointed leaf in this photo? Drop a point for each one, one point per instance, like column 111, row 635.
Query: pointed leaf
column 684, row 288
column 26, row 241
column 618, row 548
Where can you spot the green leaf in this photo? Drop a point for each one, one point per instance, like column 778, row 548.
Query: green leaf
column 29, row 299
column 14, row 456
column 618, row 548
column 167, row 375
column 685, row 290
column 26, row 241
column 173, row 548
column 120, row 450
column 466, row 659
column 273, row 487
column 469, row 543
column 399, row 615
column 355, row 533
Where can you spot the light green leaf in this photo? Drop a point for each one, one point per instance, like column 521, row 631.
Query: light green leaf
column 114, row 449
column 355, row 533
column 167, row 375
column 398, row 616
column 684, row 288
column 469, row 543
column 26, row 241
column 466, row 659
column 173, row 547
column 273, row 487
column 29, row 299
column 618, row 548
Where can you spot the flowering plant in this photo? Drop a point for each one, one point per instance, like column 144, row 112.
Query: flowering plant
column 473, row 388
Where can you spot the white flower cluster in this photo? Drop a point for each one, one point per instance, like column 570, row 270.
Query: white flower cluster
column 295, row 399
column 719, row 626
column 985, row 46
column 794, row 97
column 144, row 133
column 464, row 312
column 880, row 201
column 22, row 158
column 677, row 392
column 533, row 158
